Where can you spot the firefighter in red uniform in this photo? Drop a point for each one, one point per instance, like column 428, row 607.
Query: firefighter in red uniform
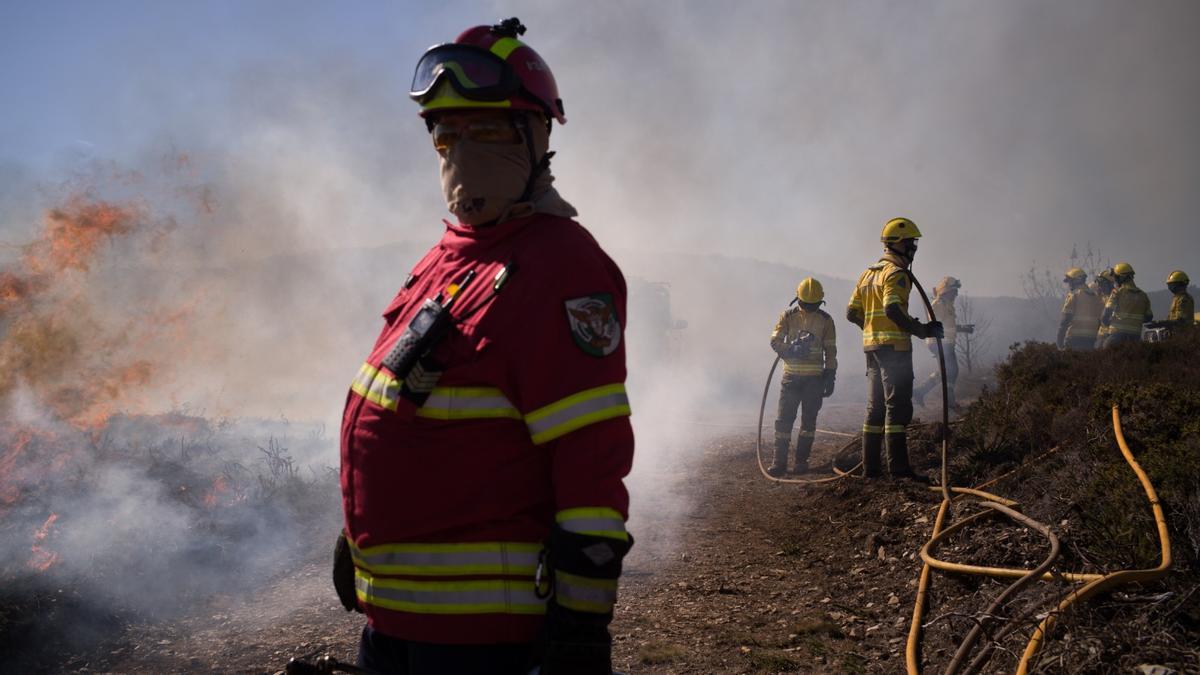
column 486, row 436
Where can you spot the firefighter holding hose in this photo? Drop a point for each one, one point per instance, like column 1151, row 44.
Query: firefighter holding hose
column 805, row 338
column 486, row 437
column 944, row 295
column 879, row 306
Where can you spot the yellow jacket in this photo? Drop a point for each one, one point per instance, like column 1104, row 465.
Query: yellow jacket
column 1081, row 312
column 882, row 284
column 1183, row 309
column 1127, row 309
column 822, row 353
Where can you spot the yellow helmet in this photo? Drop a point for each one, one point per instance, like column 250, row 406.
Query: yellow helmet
column 809, row 291
column 1122, row 269
column 1178, row 277
column 898, row 229
column 1076, row 274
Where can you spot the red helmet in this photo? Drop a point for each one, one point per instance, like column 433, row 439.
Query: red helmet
column 486, row 67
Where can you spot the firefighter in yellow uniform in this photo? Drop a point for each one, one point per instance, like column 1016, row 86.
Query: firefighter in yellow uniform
column 879, row 306
column 804, row 337
column 944, row 295
column 1126, row 310
column 1183, row 308
column 1080, row 313
column 1105, row 285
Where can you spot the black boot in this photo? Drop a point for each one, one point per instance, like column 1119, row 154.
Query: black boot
column 779, row 465
column 803, row 450
column 898, row 465
column 872, row 450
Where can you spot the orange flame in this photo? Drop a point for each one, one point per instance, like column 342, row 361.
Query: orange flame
column 214, row 493
column 42, row 558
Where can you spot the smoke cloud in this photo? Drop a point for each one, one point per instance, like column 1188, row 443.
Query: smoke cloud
column 264, row 208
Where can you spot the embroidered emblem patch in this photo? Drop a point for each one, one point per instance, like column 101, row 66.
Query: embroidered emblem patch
column 594, row 323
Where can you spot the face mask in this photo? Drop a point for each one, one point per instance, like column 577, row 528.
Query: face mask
column 480, row 181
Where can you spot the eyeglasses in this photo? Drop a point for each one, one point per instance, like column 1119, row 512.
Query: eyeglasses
column 495, row 131
column 475, row 73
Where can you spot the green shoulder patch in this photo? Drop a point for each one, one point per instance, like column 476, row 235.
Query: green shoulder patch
column 595, row 326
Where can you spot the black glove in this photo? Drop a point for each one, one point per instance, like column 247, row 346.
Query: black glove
column 933, row 329
column 577, row 641
column 343, row 574
column 827, row 379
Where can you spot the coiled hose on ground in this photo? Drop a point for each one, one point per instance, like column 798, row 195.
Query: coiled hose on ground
column 1093, row 583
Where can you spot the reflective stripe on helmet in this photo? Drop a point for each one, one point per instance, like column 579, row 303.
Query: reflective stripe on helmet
column 584, row 594
column 577, row 411
column 452, row 559
column 489, row 596
column 600, row 521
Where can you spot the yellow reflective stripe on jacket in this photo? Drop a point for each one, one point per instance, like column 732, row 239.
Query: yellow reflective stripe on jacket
column 488, row 596
column 577, row 411
column 449, row 559
column 1085, row 309
column 1183, row 309
column 584, row 594
column 457, row 403
column 1129, row 309
column 377, row 387
column 1127, row 323
column 803, row 368
column 882, row 284
column 822, row 352
column 598, row 521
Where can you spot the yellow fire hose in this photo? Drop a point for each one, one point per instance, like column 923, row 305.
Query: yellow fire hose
column 1094, row 582
column 762, row 408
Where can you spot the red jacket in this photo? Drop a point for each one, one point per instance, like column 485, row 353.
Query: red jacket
column 447, row 505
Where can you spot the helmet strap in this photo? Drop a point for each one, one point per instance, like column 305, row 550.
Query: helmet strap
column 539, row 166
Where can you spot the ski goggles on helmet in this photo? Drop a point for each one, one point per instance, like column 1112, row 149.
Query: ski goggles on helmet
column 475, row 73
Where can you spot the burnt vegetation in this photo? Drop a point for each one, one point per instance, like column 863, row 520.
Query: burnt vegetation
column 152, row 517
column 1045, row 429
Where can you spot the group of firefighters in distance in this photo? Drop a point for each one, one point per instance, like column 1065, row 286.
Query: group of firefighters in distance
column 1114, row 311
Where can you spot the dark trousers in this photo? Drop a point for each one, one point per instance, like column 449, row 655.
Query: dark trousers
column 889, row 390
column 803, row 393
column 1081, row 343
column 1117, row 338
column 935, row 378
column 889, row 410
column 388, row 655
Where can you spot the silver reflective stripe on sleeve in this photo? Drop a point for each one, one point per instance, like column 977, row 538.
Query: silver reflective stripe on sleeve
column 583, row 594
column 577, row 411
column 598, row 521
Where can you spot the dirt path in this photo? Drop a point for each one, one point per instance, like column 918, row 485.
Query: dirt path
column 755, row 577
